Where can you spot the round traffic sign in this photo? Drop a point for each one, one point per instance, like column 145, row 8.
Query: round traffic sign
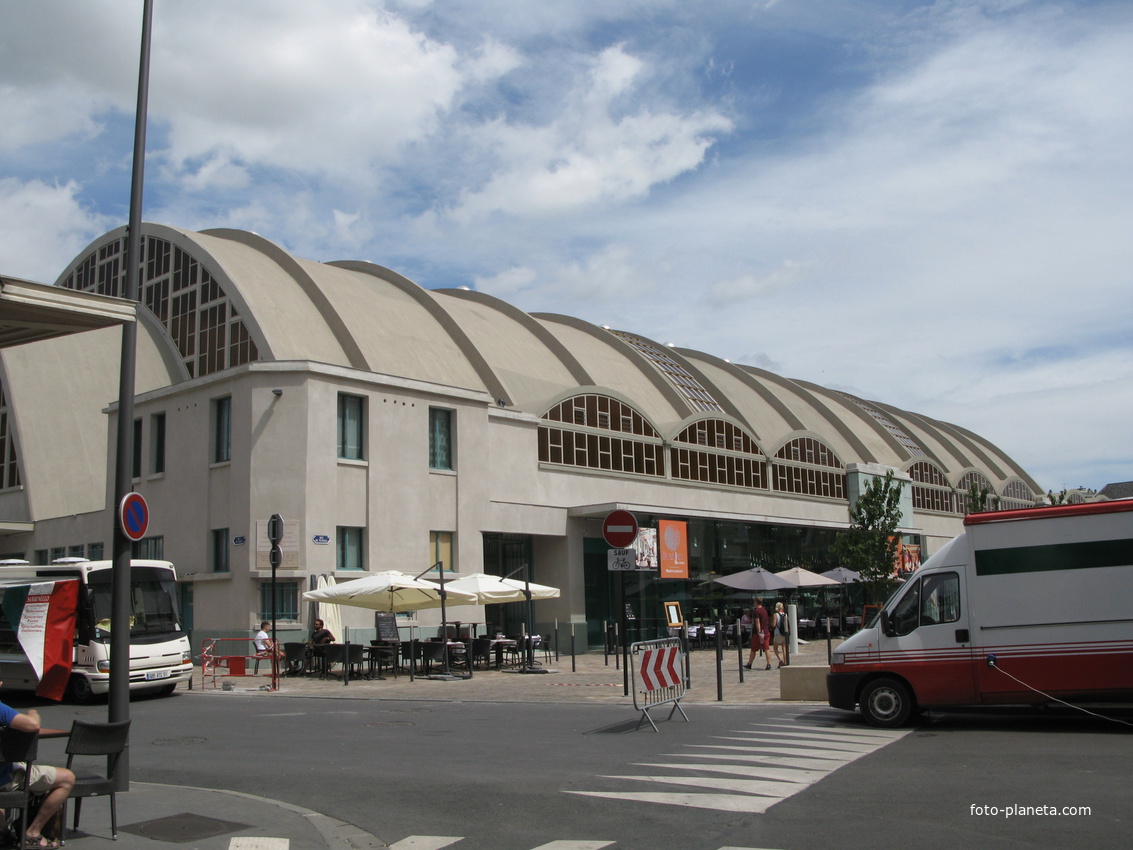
column 133, row 516
column 620, row 529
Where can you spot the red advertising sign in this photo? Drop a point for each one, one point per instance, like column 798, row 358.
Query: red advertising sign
column 673, row 546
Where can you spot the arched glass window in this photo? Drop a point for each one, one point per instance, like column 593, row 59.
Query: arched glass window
column 182, row 294
column 931, row 490
column 723, row 454
column 1017, row 495
column 808, row 466
column 599, row 432
column 9, row 459
column 981, row 483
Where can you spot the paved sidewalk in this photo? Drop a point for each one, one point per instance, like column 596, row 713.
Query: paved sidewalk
column 594, row 678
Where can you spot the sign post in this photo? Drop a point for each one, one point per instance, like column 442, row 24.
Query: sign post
column 276, row 527
column 620, row 530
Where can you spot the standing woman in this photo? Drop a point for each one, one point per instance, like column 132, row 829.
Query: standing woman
column 779, row 638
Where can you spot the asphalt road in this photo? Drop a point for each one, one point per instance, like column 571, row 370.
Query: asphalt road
column 519, row 776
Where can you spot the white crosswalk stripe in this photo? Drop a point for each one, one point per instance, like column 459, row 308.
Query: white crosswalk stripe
column 436, row 842
column 748, row 770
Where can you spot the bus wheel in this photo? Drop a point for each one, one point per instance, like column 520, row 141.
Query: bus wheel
column 79, row 690
column 886, row 703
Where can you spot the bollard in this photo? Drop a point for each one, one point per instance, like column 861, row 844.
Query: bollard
column 740, row 650
column 719, row 662
column 573, row 669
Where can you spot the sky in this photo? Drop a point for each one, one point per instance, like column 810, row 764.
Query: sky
column 928, row 204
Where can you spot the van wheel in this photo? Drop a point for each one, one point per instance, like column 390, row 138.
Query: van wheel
column 79, row 690
column 886, row 703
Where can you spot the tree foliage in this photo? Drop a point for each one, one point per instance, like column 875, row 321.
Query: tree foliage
column 869, row 546
column 981, row 499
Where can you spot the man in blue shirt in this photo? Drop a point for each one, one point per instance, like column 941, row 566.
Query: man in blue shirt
column 55, row 782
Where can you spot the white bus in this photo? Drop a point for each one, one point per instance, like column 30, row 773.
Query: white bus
column 160, row 656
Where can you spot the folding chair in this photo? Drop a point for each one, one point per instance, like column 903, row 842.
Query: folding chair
column 89, row 738
column 18, row 746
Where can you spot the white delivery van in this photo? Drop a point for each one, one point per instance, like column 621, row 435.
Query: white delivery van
column 1023, row 607
column 40, row 624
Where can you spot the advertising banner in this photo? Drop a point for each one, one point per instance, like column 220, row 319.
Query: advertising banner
column 43, row 616
column 673, row 547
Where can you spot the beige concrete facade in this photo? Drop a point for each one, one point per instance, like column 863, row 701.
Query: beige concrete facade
column 297, row 335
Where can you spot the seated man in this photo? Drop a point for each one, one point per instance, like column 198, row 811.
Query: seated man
column 265, row 646
column 55, row 782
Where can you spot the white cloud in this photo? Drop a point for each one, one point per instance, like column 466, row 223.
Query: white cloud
column 38, row 224
column 589, row 154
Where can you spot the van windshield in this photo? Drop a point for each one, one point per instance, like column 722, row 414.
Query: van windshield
column 153, row 603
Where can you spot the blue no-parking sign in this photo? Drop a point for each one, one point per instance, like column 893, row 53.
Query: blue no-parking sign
column 133, row 516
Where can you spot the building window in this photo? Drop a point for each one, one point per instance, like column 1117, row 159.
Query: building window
column 351, row 427
column 440, row 549
column 42, row 556
column 58, row 552
column 95, row 551
column 350, row 553
column 183, row 295
column 931, row 490
column 600, row 432
column 136, row 461
column 78, row 551
column 286, row 601
column 729, row 456
column 440, row 438
column 157, row 443
column 808, row 467
column 222, row 430
column 9, row 465
column 149, row 548
column 219, row 550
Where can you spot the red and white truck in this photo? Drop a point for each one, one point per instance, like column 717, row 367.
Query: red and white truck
column 1027, row 606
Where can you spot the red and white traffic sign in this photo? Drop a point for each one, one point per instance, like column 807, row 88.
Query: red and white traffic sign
column 620, row 529
column 133, row 516
column 660, row 668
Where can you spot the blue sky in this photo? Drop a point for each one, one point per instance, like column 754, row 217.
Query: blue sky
column 924, row 203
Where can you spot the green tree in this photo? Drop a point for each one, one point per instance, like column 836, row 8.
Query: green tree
column 981, row 499
column 869, row 546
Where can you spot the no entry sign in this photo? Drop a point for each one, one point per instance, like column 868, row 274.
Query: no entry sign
column 133, row 515
column 620, row 529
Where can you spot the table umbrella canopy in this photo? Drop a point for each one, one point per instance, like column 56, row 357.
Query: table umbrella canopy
column 390, row 591
column 490, row 589
column 842, row 575
column 755, row 579
column 799, row 577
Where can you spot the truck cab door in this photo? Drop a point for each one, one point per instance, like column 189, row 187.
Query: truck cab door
column 927, row 636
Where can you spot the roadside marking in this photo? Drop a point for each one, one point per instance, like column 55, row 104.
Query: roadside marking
column 748, row 770
column 247, row 842
column 575, row 845
column 426, row 842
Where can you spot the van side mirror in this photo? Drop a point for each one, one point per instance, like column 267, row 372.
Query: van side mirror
column 886, row 626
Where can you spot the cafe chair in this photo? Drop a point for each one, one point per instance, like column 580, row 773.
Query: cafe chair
column 384, row 654
column 333, row 653
column 431, row 652
column 18, row 746
column 355, row 661
column 295, row 656
column 89, row 738
column 482, row 651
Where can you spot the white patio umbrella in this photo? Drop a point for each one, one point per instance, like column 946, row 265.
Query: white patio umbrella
column 842, row 575
column 490, row 589
column 799, row 577
column 390, row 591
column 755, row 580
column 331, row 616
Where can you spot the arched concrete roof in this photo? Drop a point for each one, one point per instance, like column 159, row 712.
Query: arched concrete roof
column 364, row 316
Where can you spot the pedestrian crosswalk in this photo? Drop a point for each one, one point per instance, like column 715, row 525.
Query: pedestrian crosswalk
column 438, row 842
column 747, row 770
